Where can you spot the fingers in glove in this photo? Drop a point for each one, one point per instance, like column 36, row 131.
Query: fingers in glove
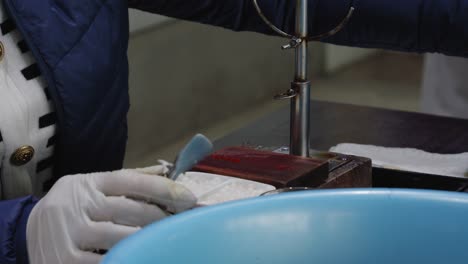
column 123, row 211
column 152, row 189
column 103, row 235
column 155, row 170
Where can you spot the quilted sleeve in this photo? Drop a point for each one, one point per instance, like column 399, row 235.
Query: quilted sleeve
column 403, row 25
column 13, row 219
column 2, row 156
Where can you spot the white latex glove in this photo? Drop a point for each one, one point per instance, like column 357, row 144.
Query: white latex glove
column 88, row 212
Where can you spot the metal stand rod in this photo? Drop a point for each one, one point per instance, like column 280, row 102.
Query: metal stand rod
column 300, row 87
column 300, row 104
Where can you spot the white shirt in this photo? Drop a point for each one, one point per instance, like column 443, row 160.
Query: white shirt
column 27, row 117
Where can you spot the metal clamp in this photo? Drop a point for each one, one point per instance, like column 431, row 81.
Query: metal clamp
column 294, row 43
column 290, row 93
column 293, row 91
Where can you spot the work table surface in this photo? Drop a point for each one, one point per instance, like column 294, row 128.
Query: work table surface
column 333, row 123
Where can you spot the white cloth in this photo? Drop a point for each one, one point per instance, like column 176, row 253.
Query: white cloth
column 409, row 159
column 88, row 212
column 445, row 86
column 22, row 103
column 213, row 189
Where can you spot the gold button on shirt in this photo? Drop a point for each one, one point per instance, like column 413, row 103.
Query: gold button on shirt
column 22, row 156
column 27, row 118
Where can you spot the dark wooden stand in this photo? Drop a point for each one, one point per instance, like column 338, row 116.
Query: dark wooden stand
column 346, row 171
column 321, row 170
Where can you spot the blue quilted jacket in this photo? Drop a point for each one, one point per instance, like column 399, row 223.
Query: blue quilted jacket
column 81, row 48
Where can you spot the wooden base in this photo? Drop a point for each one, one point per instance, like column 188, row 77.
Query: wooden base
column 346, row 171
column 321, row 170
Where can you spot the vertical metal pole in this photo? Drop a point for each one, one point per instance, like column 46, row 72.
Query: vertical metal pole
column 300, row 105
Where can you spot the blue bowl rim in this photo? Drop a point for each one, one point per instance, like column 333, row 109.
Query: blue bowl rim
column 383, row 193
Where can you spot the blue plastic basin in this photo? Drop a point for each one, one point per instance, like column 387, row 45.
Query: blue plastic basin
column 333, row 226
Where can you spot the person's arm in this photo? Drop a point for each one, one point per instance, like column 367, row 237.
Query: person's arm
column 404, row 25
column 85, row 215
column 13, row 219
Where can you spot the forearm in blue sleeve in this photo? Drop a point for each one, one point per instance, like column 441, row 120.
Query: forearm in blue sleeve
column 13, row 219
column 404, row 25
column 237, row 15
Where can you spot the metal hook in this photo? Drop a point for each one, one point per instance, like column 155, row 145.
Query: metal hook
column 332, row 32
column 267, row 21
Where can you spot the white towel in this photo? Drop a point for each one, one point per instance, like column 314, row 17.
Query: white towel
column 409, row 159
column 214, row 189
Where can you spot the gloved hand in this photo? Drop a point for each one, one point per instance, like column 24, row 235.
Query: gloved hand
column 87, row 213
